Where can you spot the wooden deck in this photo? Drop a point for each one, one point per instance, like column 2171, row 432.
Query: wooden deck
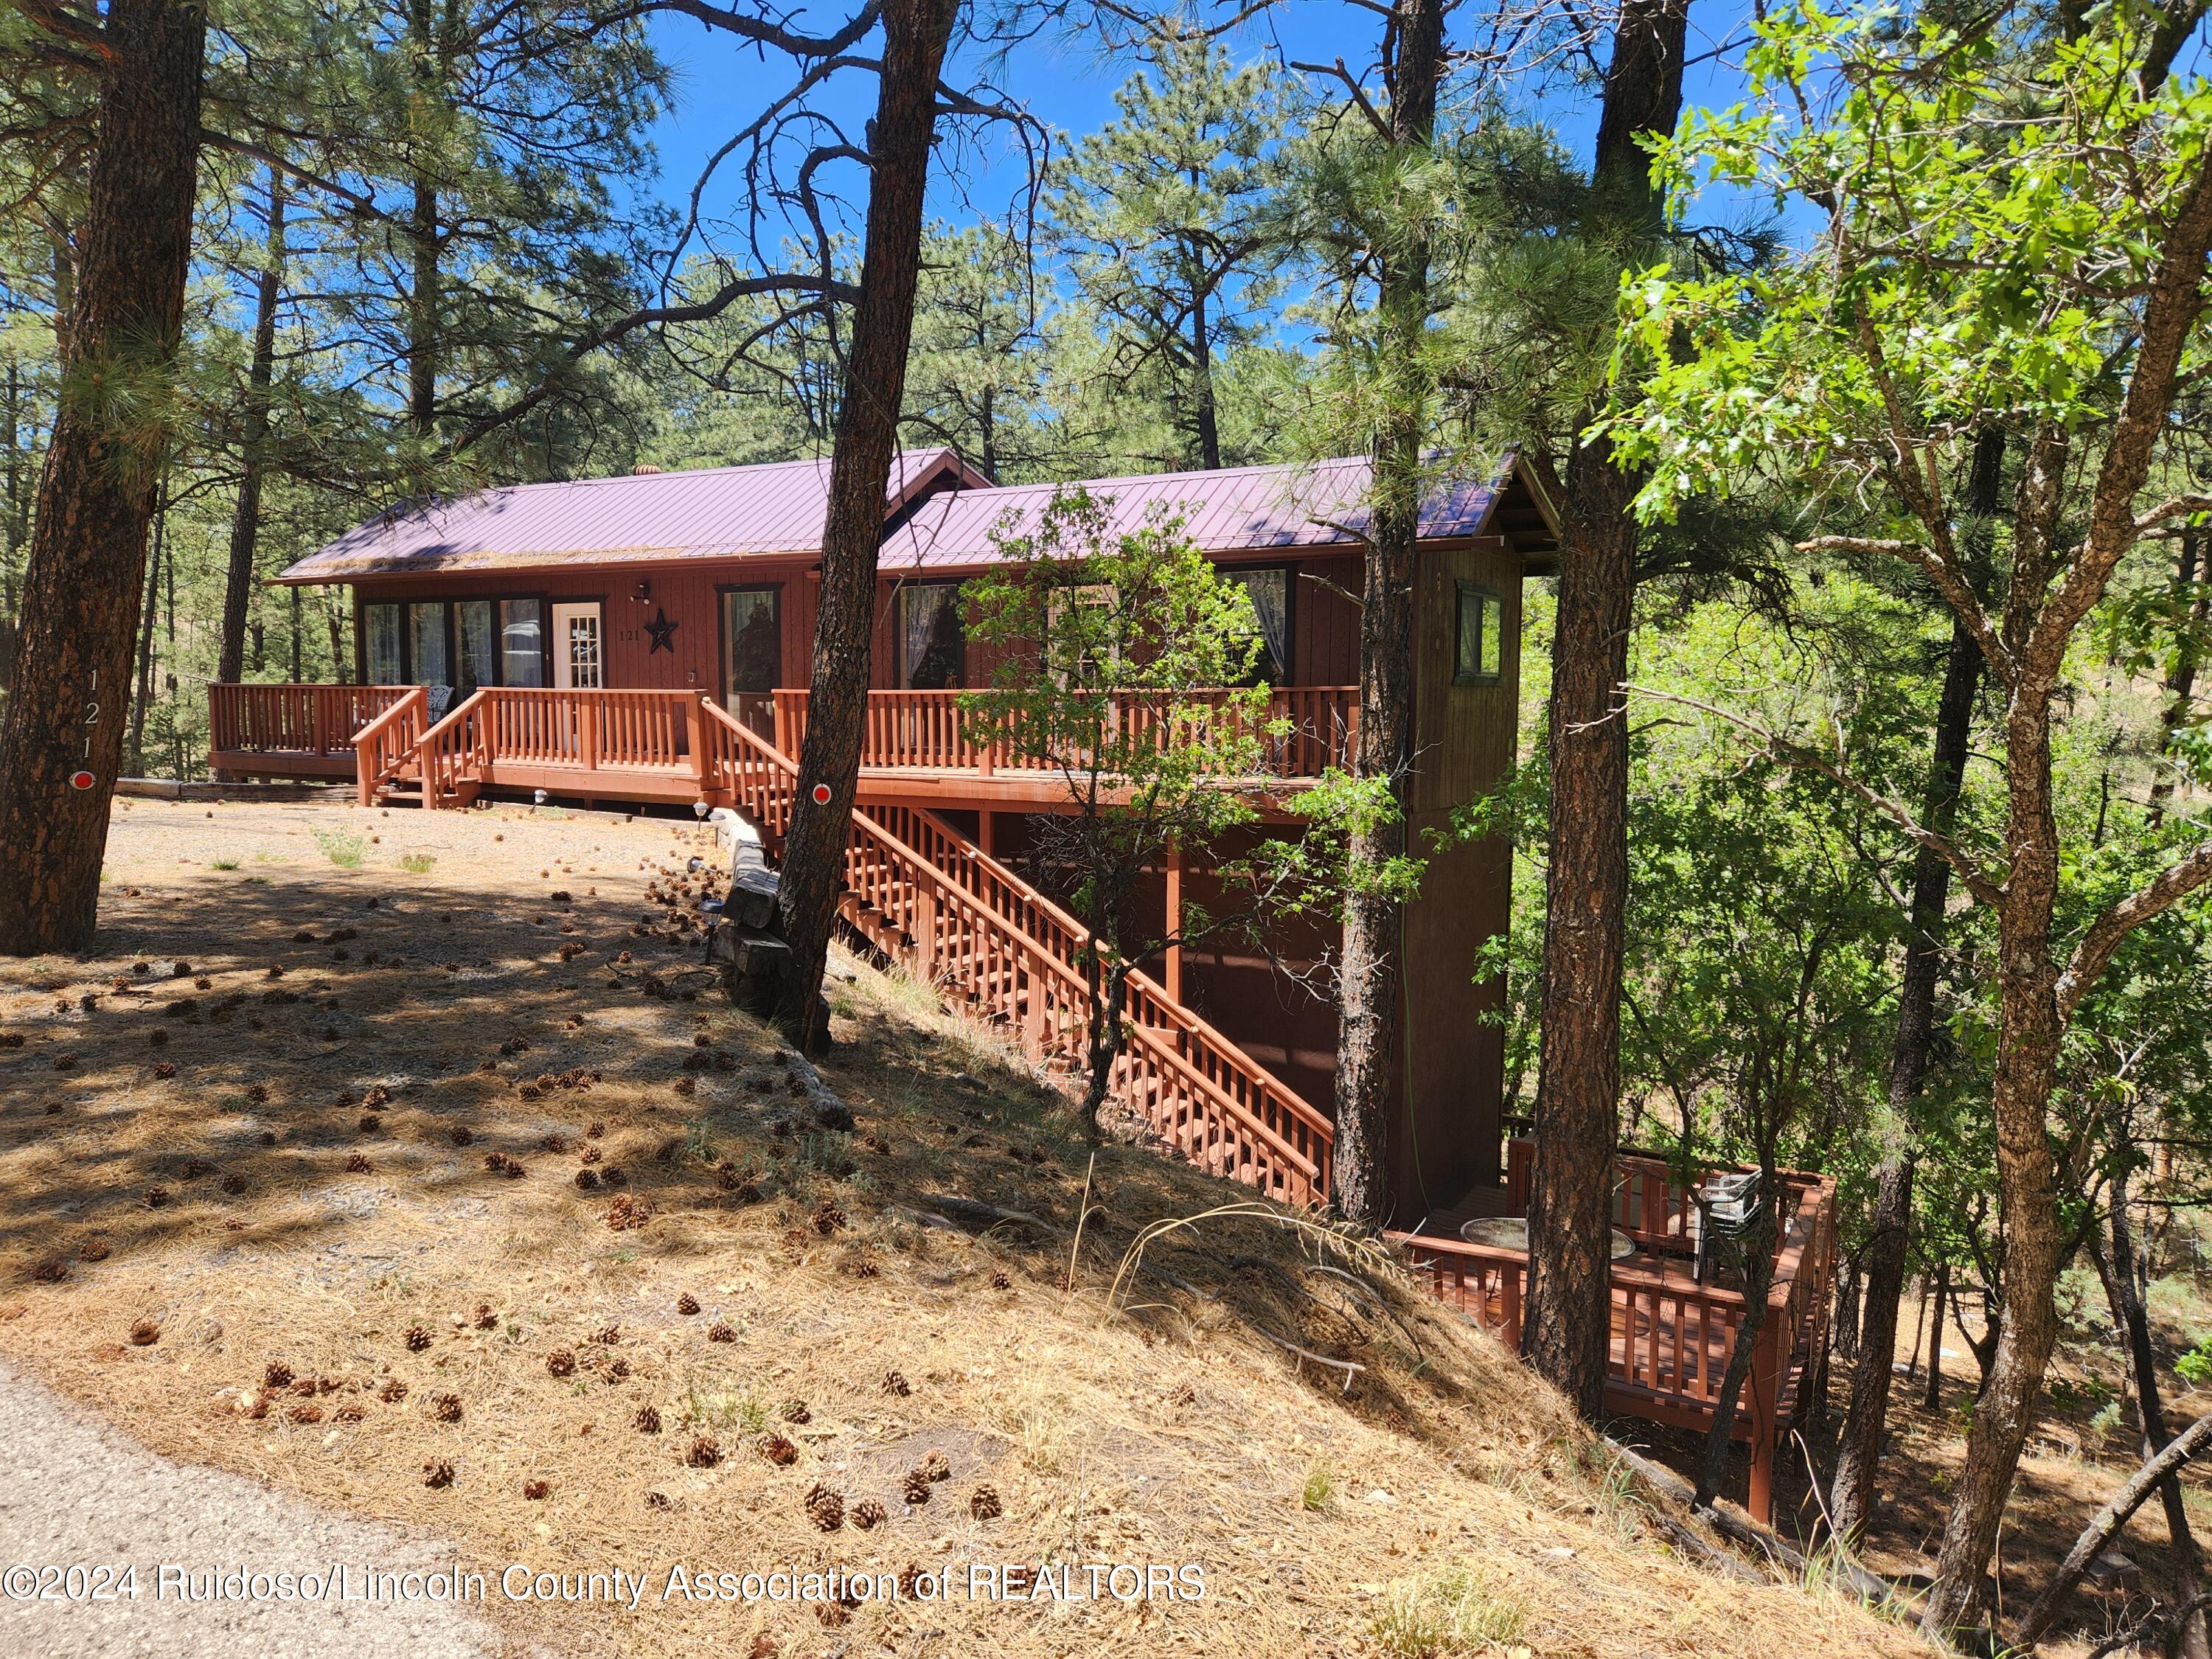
column 645, row 746
column 1671, row 1338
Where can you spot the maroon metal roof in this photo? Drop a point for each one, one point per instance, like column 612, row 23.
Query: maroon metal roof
column 778, row 507
column 1241, row 509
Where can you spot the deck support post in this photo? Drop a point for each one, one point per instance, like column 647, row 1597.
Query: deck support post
column 1764, row 1382
column 587, row 734
column 987, row 838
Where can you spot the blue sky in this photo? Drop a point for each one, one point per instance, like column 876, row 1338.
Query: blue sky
column 1067, row 80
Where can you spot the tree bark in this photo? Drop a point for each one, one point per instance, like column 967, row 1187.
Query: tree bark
column 2123, row 1292
column 1931, row 1395
column 423, row 305
column 1565, row 1324
column 143, row 696
column 96, row 490
column 1368, row 956
column 1852, row 1497
column 2181, row 679
column 253, row 435
column 915, row 35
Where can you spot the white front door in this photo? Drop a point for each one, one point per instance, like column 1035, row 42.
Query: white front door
column 579, row 647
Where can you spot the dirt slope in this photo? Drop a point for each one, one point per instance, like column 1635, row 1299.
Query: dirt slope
column 265, row 1139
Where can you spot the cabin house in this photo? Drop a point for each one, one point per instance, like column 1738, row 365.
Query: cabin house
column 647, row 639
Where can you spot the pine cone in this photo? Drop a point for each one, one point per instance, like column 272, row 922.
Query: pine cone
column 459, row 1135
column 705, row 1453
column 868, row 1514
column 537, row 1491
column 1000, row 1281
column 618, row 1369
column 370, row 1123
column 687, row 1304
column 914, row 1488
column 828, row 1217
column 277, row 1374
column 778, row 1451
column 983, row 1503
column 560, row 1363
column 305, row 1413
column 418, row 1338
column 587, row 1181
column 794, row 1411
column 145, row 1333
column 935, row 1466
column 439, row 1473
column 648, row 1420
column 719, row 1332
column 233, row 1184
column 895, row 1383
column 352, row 1412
column 357, row 1164
column 825, row 1508
column 392, row 1392
column 590, row 1155
column 448, row 1408
column 486, row 1319
column 595, row 1129
column 608, row 1337
column 92, row 1249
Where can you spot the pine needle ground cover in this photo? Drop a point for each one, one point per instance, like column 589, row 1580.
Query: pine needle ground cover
column 454, row 1194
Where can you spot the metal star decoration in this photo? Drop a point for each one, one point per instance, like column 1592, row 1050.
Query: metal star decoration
column 662, row 632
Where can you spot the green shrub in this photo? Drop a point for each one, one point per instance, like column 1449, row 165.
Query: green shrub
column 1458, row 1611
column 417, row 864
column 343, row 847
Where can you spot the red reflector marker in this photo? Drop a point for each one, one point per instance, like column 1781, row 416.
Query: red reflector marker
column 821, row 795
column 80, row 779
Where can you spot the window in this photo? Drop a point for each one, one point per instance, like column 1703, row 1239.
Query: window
column 479, row 663
column 1479, row 657
column 1270, row 593
column 932, row 644
column 426, row 641
column 380, row 647
column 754, row 629
column 521, row 642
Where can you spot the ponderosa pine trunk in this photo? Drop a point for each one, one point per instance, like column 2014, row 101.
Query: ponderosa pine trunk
column 915, row 35
column 1859, row 1456
column 1564, row 1320
column 2181, row 678
column 1368, row 959
column 253, row 436
column 66, row 718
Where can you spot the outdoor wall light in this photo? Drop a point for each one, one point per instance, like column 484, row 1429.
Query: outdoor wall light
column 644, row 591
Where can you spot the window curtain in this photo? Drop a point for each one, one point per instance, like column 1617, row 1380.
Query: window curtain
column 1270, row 592
column 379, row 625
column 479, row 663
column 429, row 625
column 932, row 643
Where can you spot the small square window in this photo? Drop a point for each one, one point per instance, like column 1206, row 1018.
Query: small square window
column 1479, row 655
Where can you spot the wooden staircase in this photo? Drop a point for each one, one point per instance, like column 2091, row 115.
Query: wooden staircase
column 929, row 899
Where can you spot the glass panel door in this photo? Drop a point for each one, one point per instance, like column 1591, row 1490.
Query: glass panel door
column 381, row 649
column 752, row 632
column 933, row 643
column 578, row 655
column 478, row 655
column 522, row 641
column 427, row 635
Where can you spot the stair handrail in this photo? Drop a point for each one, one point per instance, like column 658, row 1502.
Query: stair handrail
column 1154, row 1040
column 1179, row 1015
column 380, row 750
column 439, row 751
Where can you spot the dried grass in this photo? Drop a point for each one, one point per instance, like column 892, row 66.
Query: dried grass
column 1144, row 1423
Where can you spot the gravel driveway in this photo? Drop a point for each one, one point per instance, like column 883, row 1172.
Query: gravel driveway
column 75, row 1493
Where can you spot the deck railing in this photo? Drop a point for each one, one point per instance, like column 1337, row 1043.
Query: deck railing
column 965, row 923
column 294, row 719
column 388, row 745
column 1671, row 1339
column 931, row 729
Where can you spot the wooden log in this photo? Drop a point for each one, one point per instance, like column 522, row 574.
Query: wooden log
column 2109, row 1519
